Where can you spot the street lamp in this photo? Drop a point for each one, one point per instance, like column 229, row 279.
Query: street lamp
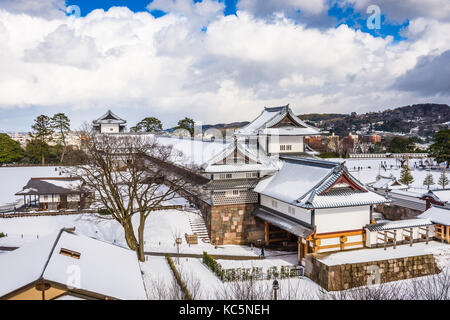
column 275, row 287
column 178, row 242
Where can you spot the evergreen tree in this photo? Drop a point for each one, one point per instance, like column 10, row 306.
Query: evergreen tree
column 61, row 124
column 428, row 181
column 187, row 124
column 405, row 175
column 440, row 148
column 42, row 132
column 149, row 124
column 10, row 150
column 443, row 179
column 36, row 151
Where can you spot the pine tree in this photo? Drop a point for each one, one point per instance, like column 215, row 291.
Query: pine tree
column 443, row 180
column 42, row 132
column 428, row 181
column 405, row 175
column 61, row 124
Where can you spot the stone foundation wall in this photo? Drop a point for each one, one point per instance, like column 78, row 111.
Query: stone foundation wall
column 342, row 277
column 235, row 224
column 393, row 212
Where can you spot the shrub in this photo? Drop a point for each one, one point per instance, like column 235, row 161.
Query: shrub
column 104, row 212
column 329, row 155
column 213, row 265
column 2, row 235
column 177, row 276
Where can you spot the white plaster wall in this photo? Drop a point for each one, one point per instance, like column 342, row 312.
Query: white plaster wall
column 49, row 198
column 295, row 141
column 342, row 219
column 109, row 128
column 300, row 213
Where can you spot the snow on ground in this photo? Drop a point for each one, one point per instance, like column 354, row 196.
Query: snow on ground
column 212, row 288
column 371, row 168
column 376, row 254
column 13, row 179
column 161, row 229
column 158, row 278
column 442, row 256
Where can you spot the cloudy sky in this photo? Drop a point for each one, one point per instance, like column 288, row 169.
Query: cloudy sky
column 217, row 61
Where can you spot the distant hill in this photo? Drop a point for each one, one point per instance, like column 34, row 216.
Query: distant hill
column 424, row 118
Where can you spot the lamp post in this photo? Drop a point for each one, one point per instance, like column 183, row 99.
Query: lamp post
column 275, row 287
column 178, row 242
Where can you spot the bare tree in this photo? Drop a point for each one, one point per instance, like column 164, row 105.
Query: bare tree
column 245, row 290
column 130, row 175
column 434, row 287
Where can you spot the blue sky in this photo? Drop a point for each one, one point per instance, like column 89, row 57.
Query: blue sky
column 340, row 15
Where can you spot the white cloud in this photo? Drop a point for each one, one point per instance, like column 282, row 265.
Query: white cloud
column 170, row 68
column 400, row 10
column 268, row 7
column 42, row 8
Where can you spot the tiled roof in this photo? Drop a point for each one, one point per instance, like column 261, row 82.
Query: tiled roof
column 231, row 184
column 270, row 117
column 400, row 224
column 342, row 197
column 437, row 214
column 306, row 182
column 109, row 117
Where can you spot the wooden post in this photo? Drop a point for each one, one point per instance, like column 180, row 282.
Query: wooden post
column 300, row 250
column 411, row 237
column 266, row 233
column 395, row 239
column 427, row 233
column 385, row 240
column 448, row 234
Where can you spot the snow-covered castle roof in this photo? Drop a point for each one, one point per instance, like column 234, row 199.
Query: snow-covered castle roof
column 311, row 184
column 277, row 121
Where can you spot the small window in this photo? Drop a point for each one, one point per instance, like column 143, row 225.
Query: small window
column 274, row 204
column 252, row 174
column 291, row 210
column 70, row 253
column 226, row 176
column 232, row 193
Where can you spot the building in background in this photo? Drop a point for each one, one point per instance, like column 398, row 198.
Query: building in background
column 109, row 123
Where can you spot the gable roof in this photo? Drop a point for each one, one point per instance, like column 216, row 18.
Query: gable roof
column 255, row 160
column 269, row 122
column 437, row 214
column 107, row 270
column 109, row 118
column 311, row 183
column 385, row 182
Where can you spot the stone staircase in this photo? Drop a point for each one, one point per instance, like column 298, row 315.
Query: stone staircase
column 198, row 226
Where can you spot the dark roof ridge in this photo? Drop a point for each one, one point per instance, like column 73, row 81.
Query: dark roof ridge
column 311, row 161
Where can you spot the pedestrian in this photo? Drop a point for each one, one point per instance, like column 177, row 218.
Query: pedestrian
column 262, row 251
